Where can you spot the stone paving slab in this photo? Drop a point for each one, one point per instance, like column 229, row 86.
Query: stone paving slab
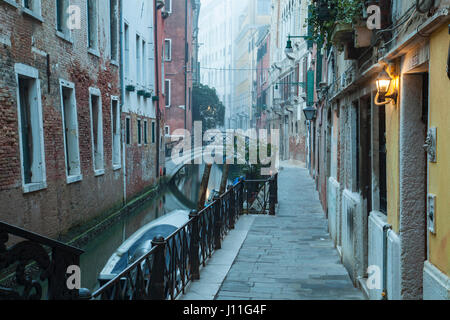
column 289, row 256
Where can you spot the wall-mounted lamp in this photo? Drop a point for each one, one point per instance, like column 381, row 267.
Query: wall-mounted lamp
column 289, row 49
column 384, row 82
column 310, row 113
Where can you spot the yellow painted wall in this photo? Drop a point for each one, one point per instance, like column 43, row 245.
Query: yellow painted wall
column 392, row 164
column 439, row 173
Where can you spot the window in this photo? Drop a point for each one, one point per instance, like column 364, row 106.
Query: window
column 33, row 8
column 97, row 130
column 138, row 58
column 153, row 132
column 61, row 19
column 145, row 132
column 144, row 64
column 115, row 125
column 92, row 21
column 167, row 130
column 113, row 28
column 168, row 50
column 128, row 130
column 127, row 50
column 167, row 91
column 70, row 131
column 168, row 6
column 31, row 135
column 139, row 131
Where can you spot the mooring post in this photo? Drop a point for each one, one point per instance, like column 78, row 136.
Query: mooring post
column 194, row 246
column 157, row 285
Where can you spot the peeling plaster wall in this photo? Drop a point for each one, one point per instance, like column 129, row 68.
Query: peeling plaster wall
column 412, row 187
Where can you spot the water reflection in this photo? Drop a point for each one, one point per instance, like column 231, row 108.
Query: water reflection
column 182, row 195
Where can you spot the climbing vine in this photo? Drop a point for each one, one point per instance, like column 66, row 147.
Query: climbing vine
column 324, row 14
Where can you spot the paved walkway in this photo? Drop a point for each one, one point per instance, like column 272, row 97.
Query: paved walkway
column 291, row 255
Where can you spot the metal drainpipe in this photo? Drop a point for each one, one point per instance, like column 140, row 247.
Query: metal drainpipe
column 121, row 75
column 186, row 62
column 158, row 116
column 386, row 228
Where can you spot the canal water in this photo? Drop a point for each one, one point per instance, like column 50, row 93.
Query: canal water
column 181, row 194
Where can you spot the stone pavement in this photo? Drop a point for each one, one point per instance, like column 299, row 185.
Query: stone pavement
column 290, row 255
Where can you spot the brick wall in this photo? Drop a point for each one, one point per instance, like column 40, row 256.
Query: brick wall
column 53, row 210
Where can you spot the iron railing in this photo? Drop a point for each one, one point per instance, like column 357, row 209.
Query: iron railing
column 261, row 196
column 39, row 266
column 164, row 272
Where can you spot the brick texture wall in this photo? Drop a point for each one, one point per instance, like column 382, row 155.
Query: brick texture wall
column 60, row 206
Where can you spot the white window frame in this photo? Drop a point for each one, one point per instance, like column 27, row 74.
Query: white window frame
column 167, row 128
column 93, row 50
column 139, row 131
column 66, row 84
column 66, row 34
column 116, row 165
column 145, row 132
column 117, row 53
column 97, row 171
column 153, row 131
column 168, row 41
column 30, row 72
column 168, row 11
column 138, row 58
column 126, row 49
column 130, row 133
column 35, row 12
column 168, row 95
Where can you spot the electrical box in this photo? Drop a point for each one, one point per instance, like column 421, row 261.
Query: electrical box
column 431, row 213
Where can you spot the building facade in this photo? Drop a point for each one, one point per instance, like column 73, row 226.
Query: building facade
column 180, row 64
column 60, row 89
column 380, row 188
column 217, row 30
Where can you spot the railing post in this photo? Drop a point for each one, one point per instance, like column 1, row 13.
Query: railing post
column 272, row 196
column 276, row 188
column 157, row 283
column 232, row 220
column 217, row 224
column 194, row 246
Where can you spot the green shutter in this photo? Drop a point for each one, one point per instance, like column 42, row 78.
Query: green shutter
column 310, row 86
column 319, row 68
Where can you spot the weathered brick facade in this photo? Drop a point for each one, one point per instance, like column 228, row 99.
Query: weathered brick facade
column 179, row 29
column 32, row 42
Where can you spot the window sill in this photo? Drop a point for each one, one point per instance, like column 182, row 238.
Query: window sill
column 73, row 179
column 94, row 52
column 117, row 167
column 32, row 14
column 99, row 172
column 64, row 37
column 12, row 3
column 33, row 187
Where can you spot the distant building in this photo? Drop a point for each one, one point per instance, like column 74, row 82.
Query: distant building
column 253, row 16
column 180, row 62
column 217, row 30
column 139, row 111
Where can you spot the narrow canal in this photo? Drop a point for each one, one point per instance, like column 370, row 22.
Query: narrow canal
column 182, row 194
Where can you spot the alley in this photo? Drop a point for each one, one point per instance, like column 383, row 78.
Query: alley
column 291, row 255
